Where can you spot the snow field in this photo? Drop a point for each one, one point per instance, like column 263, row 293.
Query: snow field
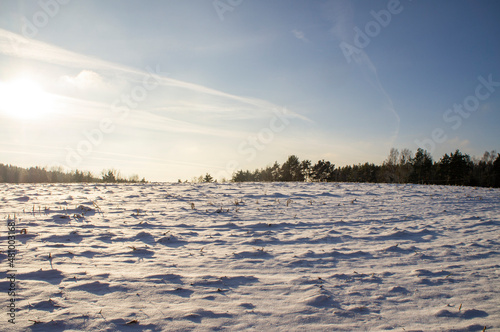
column 252, row 256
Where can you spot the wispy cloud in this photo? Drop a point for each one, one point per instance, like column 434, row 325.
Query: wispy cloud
column 71, row 108
column 15, row 45
column 370, row 71
column 300, row 35
column 340, row 14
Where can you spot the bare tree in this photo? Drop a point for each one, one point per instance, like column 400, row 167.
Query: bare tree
column 390, row 166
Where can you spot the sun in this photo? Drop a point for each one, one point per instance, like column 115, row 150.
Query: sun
column 24, row 99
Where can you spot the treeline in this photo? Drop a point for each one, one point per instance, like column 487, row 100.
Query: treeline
column 14, row 174
column 400, row 167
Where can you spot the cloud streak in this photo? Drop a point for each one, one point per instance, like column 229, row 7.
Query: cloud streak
column 340, row 14
column 17, row 46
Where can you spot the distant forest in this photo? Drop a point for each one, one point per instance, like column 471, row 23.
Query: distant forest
column 14, row 174
column 400, row 167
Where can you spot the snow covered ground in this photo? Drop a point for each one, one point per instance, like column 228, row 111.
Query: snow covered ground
column 263, row 257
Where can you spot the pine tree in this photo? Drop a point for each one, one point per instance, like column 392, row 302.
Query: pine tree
column 208, row 178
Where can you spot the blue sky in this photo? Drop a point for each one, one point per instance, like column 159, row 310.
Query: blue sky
column 175, row 89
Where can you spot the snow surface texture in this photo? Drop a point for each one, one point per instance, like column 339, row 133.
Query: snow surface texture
column 263, row 257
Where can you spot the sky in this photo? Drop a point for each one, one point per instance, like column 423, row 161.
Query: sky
column 176, row 89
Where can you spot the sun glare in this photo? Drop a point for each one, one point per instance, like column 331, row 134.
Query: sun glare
column 24, row 99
